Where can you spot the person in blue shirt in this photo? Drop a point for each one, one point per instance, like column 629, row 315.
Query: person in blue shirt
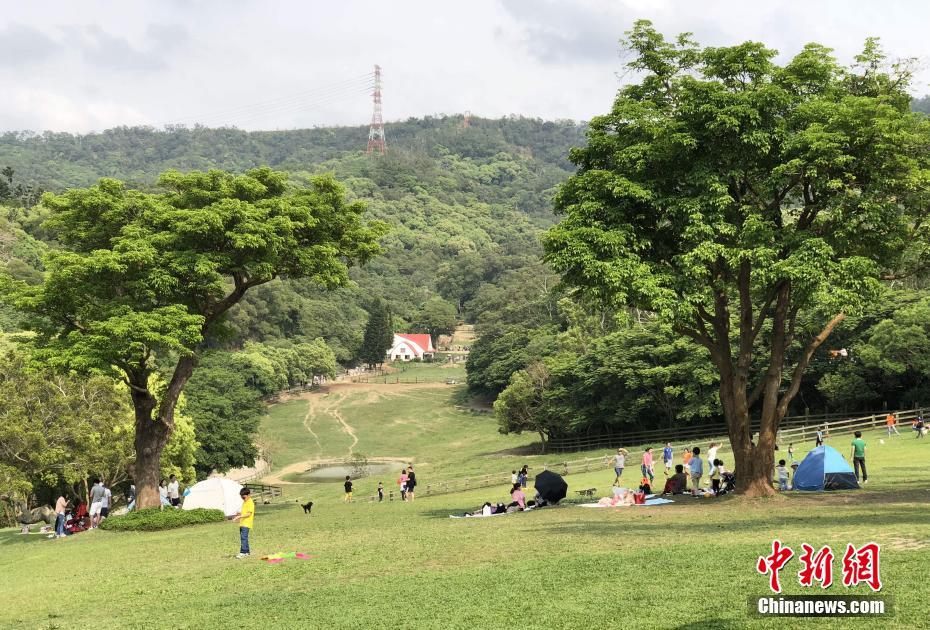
column 696, row 466
column 667, row 458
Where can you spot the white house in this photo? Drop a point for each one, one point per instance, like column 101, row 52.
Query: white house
column 409, row 347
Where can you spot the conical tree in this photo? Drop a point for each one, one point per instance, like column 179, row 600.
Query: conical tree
column 379, row 334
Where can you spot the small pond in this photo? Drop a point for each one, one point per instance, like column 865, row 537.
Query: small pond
column 338, row 472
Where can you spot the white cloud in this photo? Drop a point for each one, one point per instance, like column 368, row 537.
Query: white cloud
column 83, row 66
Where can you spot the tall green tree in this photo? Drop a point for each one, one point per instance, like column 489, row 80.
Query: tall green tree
column 436, row 317
column 731, row 196
column 379, row 334
column 147, row 278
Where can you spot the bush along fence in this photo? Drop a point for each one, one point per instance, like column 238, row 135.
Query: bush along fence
column 798, row 434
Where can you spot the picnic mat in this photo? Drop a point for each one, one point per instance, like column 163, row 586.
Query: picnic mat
column 656, row 501
column 529, row 509
column 276, row 558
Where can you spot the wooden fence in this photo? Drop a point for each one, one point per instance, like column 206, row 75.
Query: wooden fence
column 682, row 434
column 267, row 493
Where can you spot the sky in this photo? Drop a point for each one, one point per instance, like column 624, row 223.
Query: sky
column 281, row 64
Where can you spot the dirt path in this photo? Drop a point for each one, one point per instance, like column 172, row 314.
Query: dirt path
column 326, row 402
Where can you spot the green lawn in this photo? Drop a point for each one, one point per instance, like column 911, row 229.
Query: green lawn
column 690, row 564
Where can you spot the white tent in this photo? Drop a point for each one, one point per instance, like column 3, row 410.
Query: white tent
column 215, row 494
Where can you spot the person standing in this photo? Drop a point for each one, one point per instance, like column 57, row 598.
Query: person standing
column 646, row 466
column 524, row 475
column 348, row 487
column 791, row 452
column 712, row 449
column 667, row 455
column 402, row 482
column 105, row 502
column 174, row 491
column 246, row 517
column 818, row 438
column 380, row 492
column 697, row 469
column 412, row 483
column 892, row 422
column 96, row 503
column 514, row 478
column 619, row 464
column 61, row 506
column 858, row 456
column 782, row 471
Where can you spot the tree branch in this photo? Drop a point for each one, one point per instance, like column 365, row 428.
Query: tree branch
column 804, row 360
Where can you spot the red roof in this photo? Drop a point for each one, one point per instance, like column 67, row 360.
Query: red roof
column 424, row 341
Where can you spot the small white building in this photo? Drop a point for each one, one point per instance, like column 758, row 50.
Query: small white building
column 410, row 347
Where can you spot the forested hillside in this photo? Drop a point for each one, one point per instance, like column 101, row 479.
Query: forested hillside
column 464, row 206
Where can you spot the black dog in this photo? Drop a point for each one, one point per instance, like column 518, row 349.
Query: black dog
column 307, row 506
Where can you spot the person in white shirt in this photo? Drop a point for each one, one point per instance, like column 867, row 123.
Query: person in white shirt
column 712, row 455
column 174, row 491
column 619, row 464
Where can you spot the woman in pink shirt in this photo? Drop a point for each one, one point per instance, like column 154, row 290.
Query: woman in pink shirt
column 519, row 499
column 647, row 465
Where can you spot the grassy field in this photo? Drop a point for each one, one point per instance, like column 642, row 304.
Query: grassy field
column 690, row 564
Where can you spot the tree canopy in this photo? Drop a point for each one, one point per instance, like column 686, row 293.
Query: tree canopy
column 147, row 277
column 740, row 200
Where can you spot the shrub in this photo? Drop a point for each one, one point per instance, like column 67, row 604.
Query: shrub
column 154, row 519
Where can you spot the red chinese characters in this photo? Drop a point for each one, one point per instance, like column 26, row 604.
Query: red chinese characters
column 774, row 563
column 861, row 566
column 816, row 566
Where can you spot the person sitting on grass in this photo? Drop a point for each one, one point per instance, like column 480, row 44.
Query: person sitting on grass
column 782, row 471
column 518, row 498
column 677, row 483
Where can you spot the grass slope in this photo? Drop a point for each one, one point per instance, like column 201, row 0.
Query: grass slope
column 395, row 565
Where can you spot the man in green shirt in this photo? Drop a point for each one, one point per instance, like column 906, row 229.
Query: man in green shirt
column 858, row 456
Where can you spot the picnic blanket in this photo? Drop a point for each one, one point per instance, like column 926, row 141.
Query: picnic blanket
column 529, row 509
column 276, row 558
column 656, row 501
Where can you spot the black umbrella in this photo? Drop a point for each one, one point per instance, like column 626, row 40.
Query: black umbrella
column 550, row 486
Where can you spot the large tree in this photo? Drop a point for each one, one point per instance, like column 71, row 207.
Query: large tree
column 145, row 279
column 741, row 200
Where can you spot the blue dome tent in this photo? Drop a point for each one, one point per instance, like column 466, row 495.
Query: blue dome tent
column 825, row 469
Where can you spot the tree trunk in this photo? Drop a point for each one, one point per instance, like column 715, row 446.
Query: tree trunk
column 152, row 433
column 753, row 462
column 151, row 437
column 542, row 443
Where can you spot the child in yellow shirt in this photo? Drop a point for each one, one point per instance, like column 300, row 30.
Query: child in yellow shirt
column 246, row 517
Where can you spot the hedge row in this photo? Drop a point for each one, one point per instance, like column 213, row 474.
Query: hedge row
column 154, row 519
